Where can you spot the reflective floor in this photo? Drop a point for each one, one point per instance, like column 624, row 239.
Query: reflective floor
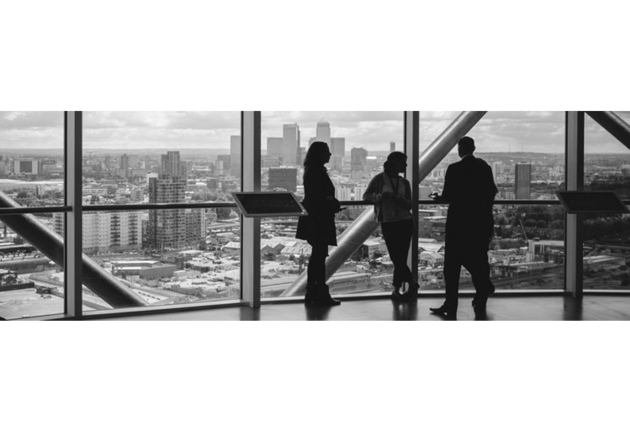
column 530, row 308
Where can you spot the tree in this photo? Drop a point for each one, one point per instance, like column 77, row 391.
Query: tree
column 557, row 225
column 529, row 223
column 22, row 194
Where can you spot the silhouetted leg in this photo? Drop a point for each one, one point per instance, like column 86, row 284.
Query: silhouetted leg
column 452, row 269
column 397, row 237
column 316, row 272
column 479, row 269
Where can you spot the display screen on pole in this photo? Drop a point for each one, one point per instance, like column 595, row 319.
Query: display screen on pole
column 267, row 204
column 592, row 202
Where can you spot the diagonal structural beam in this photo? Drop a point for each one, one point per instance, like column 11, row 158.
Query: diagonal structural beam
column 363, row 227
column 48, row 242
column 613, row 124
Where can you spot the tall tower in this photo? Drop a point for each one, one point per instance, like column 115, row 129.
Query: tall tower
column 392, row 146
column 358, row 159
column 522, row 181
column 322, row 132
column 290, row 144
column 235, row 155
column 171, row 164
column 167, row 228
column 124, row 165
column 338, row 147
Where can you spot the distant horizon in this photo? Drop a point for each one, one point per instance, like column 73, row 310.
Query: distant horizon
column 227, row 151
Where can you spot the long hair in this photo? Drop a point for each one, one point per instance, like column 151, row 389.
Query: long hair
column 393, row 157
column 313, row 155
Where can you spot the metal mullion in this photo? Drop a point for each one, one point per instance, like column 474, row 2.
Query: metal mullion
column 412, row 150
column 574, row 180
column 250, row 227
column 73, row 233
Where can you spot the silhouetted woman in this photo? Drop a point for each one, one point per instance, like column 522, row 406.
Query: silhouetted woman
column 318, row 228
column 391, row 195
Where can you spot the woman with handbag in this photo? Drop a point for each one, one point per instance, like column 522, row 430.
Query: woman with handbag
column 318, row 228
column 391, row 195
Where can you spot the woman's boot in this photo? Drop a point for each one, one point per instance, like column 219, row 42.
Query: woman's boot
column 323, row 296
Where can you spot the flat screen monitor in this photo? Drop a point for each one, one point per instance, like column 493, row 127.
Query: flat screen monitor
column 268, row 204
column 592, row 202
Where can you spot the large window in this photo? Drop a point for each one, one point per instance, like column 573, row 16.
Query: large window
column 606, row 236
column 527, row 251
column 183, row 254
column 31, row 175
column 526, row 153
column 359, row 143
column 160, row 227
column 524, row 149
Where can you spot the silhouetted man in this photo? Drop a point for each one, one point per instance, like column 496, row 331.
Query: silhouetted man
column 469, row 190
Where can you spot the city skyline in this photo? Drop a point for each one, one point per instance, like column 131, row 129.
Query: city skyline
column 498, row 131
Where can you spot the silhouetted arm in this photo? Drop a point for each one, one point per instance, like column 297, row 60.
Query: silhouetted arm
column 447, row 191
column 373, row 191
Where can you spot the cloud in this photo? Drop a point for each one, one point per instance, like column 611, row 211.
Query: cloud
column 502, row 131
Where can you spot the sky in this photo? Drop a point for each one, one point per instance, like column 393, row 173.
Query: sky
column 497, row 131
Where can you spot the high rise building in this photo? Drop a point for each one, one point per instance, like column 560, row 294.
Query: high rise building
column 107, row 231
column 274, row 152
column 358, row 159
column 392, row 146
column 322, row 132
column 235, row 155
column 167, row 228
column 195, row 226
column 290, row 144
column 522, row 181
column 338, row 147
column 283, row 178
column 124, row 166
column 172, row 165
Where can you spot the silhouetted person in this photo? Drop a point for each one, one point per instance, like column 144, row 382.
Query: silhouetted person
column 318, row 228
column 469, row 190
column 391, row 195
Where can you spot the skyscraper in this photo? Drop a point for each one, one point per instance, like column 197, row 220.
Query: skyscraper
column 274, row 151
column 172, row 165
column 392, row 146
column 338, row 147
column 358, row 158
column 167, row 228
column 235, row 155
column 283, row 178
column 322, row 132
column 124, row 166
column 290, row 144
column 522, row 181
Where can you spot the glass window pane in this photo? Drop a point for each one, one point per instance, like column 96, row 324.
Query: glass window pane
column 359, row 143
column 524, row 148
column 527, row 251
column 160, row 157
column 197, row 258
column 32, row 158
column 31, row 284
column 606, row 236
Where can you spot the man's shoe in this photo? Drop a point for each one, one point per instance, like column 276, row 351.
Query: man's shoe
column 444, row 311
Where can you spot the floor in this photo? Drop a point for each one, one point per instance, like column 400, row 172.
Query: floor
column 528, row 308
